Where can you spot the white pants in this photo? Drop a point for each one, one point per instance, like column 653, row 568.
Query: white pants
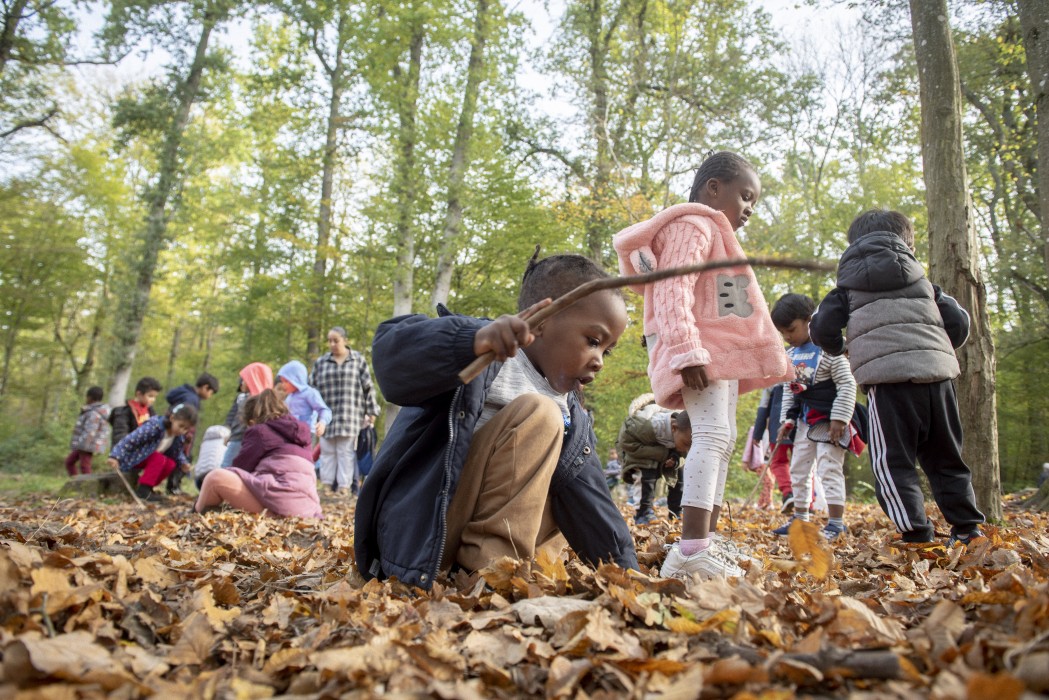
column 339, row 461
column 820, row 459
column 712, row 412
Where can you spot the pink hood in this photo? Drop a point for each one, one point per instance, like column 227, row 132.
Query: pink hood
column 718, row 319
column 257, row 376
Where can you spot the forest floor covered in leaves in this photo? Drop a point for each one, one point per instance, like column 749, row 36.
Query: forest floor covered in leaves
column 110, row 600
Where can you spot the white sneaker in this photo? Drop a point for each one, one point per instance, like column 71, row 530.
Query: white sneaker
column 730, row 549
column 710, row 563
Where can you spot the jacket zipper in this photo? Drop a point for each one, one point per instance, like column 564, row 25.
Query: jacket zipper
column 447, row 478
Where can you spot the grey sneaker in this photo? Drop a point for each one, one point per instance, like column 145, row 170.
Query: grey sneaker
column 710, row 563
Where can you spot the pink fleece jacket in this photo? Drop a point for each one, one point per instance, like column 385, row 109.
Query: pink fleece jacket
column 718, row 319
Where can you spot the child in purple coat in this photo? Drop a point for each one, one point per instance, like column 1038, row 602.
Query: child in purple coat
column 272, row 472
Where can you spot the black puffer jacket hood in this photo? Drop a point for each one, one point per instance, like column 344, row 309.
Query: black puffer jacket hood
column 878, row 262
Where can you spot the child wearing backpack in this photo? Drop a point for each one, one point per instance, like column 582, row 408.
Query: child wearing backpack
column 822, row 395
column 90, row 434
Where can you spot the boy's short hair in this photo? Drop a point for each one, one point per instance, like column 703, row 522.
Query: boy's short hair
column 790, row 308
column 682, row 421
column 208, row 380
column 147, row 384
column 94, row 394
column 555, row 276
column 875, row 220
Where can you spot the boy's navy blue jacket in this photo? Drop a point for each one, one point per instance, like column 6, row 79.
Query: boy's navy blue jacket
column 186, row 394
column 400, row 524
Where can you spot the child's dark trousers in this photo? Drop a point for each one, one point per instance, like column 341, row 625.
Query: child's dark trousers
column 78, row 457
column 912, row 423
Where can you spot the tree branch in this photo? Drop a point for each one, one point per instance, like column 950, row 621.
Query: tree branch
column 584, row 290
column 40, row 122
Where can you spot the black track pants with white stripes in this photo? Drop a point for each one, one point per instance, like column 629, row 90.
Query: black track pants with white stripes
column 919, row 423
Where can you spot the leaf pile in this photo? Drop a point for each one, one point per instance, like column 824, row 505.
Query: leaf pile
column 102, row 600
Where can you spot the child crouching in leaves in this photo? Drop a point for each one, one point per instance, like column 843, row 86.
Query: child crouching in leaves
column 273, row 471
column 652, row 442
column 155, row 449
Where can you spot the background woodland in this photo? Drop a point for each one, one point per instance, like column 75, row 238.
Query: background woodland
column 272, row 169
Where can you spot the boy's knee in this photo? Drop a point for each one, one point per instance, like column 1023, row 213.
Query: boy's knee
column 537, row 410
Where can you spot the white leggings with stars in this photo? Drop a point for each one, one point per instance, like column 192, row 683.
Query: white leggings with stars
column 712, row 412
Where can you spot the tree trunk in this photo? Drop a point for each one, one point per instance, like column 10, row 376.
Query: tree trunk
column 406, row 188
column 9, row 351
column 131, row 312
column 176, row 339
column 45, row 400
column 1034, row 26
column 336, row 76
column 453, row 217
column 598, row 38
column 12, row 16
column 953, row 250
column 88, row 366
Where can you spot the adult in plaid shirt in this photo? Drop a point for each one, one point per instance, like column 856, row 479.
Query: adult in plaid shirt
column 342, row 377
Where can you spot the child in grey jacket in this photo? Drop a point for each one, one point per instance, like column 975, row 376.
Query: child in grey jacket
column 901, row 333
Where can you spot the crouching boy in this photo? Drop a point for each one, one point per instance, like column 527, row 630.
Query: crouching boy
column 652, row 441
column 470, row 473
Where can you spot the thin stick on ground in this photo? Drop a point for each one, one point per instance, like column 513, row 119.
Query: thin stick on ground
column 474, row 369
column 761, row 475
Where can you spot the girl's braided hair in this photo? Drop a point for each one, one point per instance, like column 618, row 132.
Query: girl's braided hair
column 725, row 166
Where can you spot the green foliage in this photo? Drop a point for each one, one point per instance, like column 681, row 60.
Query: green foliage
column 650, row 87
column 37, row 450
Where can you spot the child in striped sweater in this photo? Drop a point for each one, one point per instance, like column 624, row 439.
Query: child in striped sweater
column 820, row 401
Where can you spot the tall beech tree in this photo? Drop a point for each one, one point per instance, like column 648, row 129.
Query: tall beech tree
column 954, row 260
column 164, row 112
column 459, row 162
column 331, row 30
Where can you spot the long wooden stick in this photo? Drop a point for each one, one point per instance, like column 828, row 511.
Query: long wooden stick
column 474, row 369
column 761, row 475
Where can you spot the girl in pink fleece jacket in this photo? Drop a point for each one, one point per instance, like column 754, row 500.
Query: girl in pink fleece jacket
column 709, row 338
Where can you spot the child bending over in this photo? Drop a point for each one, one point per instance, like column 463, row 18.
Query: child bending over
column 653, row 441
column 155, row 449
column 272, row 472
column 902, row 331
column 253, row 379
column 823, row 391
column 709, row 337
column 304, row 402
column 471, row 473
